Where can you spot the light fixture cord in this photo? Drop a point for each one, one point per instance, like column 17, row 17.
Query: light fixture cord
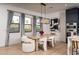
column 41, row 10
column 45, row 11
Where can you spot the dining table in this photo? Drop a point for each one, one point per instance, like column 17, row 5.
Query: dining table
column 37, row 38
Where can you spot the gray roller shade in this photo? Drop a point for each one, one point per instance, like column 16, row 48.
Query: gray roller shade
column 22, row 23
column 10, row 16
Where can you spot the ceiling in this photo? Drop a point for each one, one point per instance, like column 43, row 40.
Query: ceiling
column 50, row 7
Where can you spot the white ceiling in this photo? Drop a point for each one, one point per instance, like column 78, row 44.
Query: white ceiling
column 50, row 7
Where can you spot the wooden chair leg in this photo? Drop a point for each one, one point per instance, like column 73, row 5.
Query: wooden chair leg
column 75, row 46
column 76, row 52
column 54, row 43
column 72, row 51
column 72, row 47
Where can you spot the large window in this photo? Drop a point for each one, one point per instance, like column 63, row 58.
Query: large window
column 38, row 24
column 15, row 24
column 28, row 24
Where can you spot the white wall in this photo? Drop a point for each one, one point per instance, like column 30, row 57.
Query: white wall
column 57, row 33
column 14, row 37
column 3, row 23
column 63, row 26
column 61, row 34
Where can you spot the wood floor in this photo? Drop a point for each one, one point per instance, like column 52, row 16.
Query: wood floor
column 60, row 49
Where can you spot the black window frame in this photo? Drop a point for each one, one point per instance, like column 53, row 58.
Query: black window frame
column 28, row 24
column 15, row 23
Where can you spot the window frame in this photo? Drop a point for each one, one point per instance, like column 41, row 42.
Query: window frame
column 15, row 23
column 28, row 24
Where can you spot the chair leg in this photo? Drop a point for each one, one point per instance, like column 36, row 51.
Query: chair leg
column 76, row 52
column 53, row 45
column 54, row 42
column 45, row 47
column 72, row 50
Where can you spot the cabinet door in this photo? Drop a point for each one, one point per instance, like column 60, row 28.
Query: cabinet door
column 72, row 15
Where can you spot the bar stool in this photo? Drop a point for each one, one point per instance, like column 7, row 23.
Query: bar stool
column 75, row 46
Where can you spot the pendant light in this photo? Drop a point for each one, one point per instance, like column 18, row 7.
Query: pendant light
column 43, row 19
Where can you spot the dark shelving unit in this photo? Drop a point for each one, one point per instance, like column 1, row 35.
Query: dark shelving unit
column 72, row 16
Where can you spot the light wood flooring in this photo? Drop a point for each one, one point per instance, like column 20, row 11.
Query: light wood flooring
column 59, row 49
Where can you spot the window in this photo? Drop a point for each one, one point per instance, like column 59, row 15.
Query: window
column 28, row 24
column 15, row 24
column 38, row 24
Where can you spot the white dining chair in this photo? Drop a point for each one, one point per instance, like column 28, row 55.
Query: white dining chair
column 28, row 45
column 51, row 39
column 43, row 43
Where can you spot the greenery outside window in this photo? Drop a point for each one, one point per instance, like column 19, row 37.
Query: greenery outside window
column 28, row 24
column 15, row 24
column 38, row 24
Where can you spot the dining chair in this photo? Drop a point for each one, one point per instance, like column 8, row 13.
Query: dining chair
column 43, row 43
column 75, row 45
column 28, row 45
column 51, row 39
